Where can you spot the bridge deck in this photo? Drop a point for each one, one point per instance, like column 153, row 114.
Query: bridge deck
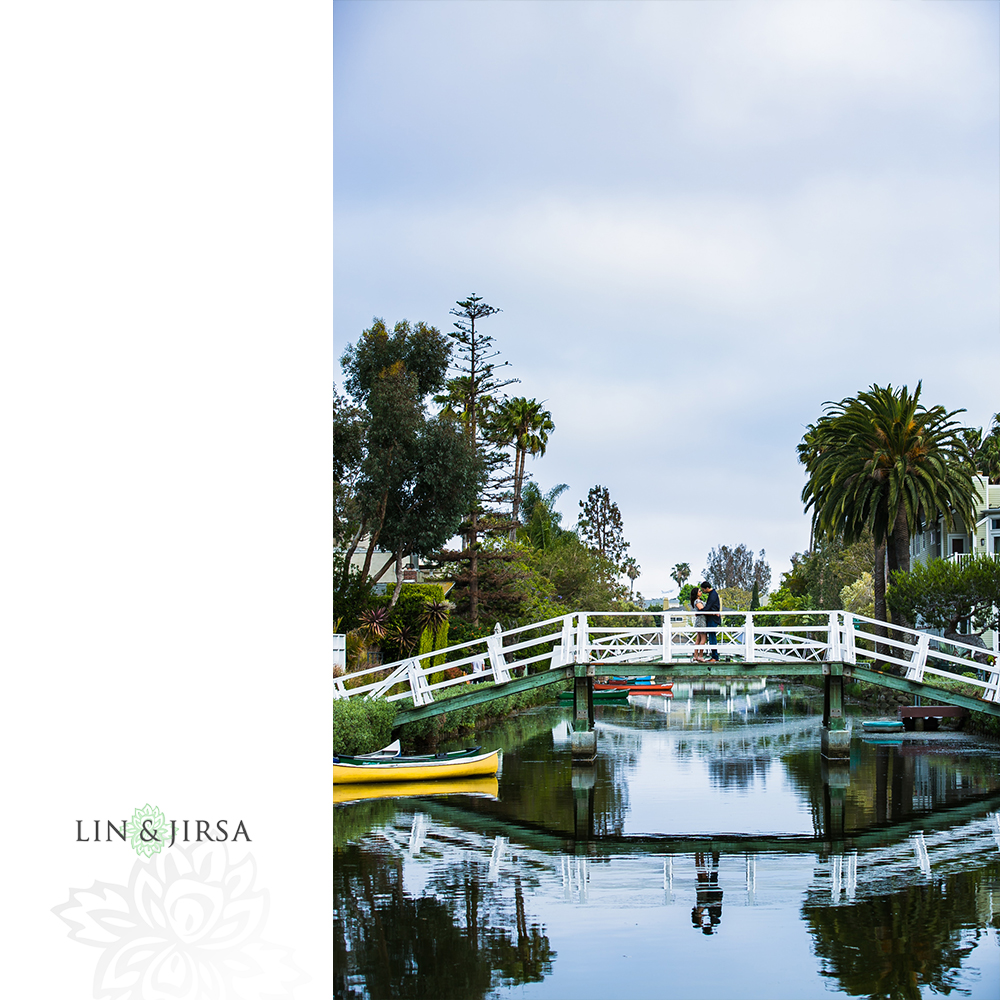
column 485, row 692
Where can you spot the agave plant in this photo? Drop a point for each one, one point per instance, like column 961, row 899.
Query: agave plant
column 434, row 614
column 404, row 637
column 374, row 622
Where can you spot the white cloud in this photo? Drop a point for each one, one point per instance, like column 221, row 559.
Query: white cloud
column 701, row 220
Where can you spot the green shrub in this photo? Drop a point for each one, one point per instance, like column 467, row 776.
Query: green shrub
column 360, row 725
column 450, row 724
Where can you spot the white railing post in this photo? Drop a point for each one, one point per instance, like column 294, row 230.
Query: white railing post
column 582, row 639
column 748, row 638
column 668, row 646
column 850, row 651
column 418, row 684
column 992, row 691
column 568, row 650
column 918, row 659
column 833, row 637
column 494, row 646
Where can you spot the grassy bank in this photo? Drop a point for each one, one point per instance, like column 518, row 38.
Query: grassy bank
column 451, row 725
column 362, row 726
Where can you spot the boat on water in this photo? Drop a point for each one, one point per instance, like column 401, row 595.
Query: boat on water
column 882, row 726
column 390, row 764
column 617, row 694
column 481, row 788
column 633, row 687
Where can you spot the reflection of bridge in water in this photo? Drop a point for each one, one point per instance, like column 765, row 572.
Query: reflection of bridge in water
column 683, row 870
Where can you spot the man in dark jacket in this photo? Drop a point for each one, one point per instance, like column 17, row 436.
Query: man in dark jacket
column 713, row 620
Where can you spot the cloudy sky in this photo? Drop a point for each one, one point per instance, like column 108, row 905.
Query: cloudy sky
column 701, row 221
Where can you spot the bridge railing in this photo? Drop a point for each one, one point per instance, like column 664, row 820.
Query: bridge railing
column 497, row 657
column 921, row 653
column 669, row 638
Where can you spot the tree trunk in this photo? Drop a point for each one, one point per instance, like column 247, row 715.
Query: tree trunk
column 519, row 457
column 399, row 579
column 474, row 570
column 879, row 587
column 901, row 541
column 899, row 562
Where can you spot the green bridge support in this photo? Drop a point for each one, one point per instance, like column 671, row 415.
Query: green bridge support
column 583, row 675
column 584, row 738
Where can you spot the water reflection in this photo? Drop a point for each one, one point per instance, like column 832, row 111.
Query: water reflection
column 458, row 936
column 902, row 943
column 722, row 829
column 707, row 910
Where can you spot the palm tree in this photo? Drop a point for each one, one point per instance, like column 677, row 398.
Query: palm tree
column 539, row 516
column 523, row 423
column 884, row 461
column 631, row 569
column 680, row 573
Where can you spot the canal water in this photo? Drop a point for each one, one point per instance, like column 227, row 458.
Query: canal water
column 711, row 851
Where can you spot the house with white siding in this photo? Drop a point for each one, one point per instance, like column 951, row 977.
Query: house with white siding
column 981, row 537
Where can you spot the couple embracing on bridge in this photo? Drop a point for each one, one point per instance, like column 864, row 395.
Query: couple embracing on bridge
column 705, row 601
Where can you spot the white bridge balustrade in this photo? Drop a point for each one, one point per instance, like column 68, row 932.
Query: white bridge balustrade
column 667, row 639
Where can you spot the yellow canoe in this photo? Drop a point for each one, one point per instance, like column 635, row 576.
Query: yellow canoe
column 477, row 765
column 483, row 787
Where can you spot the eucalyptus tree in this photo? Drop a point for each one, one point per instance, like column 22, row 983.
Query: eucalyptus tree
column 408, row 477
column 736, row 567
column 883, row 461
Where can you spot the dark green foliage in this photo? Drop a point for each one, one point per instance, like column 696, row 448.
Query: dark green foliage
column 420, row 350
column 882, row 462
column 905, row 944
column 539, row 516
column 362, row 726
column 405, row 479
column 428, row 732
column 984, row 452
column 600, row 526
column 355, row 820
column 945, row 595
column 406, row 630
column 465, row 945
column 818, row 576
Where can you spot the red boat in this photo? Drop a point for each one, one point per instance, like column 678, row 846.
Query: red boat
column 633, row 688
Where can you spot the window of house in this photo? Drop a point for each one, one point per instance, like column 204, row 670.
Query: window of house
column 957, row 545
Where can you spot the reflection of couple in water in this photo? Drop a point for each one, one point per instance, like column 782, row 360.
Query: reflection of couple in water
column 707, row 910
